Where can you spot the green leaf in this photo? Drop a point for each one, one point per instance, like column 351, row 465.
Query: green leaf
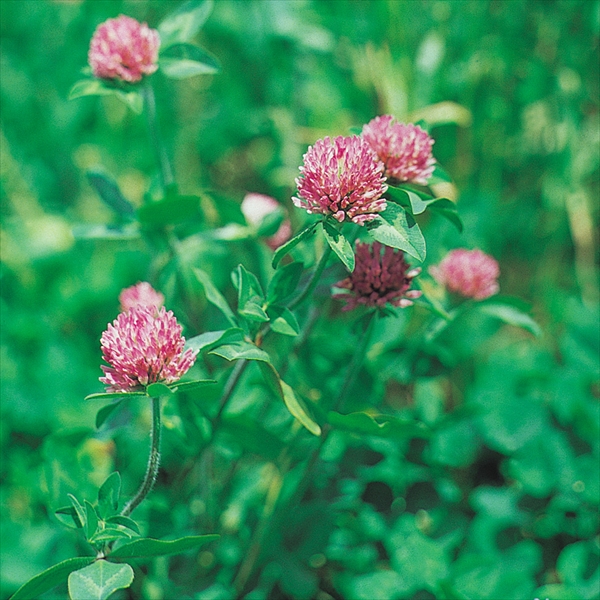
column 148, row 548
column 104, row 413
column 447, row 209
column 409, row 199
column 108, row 190
column 379, row 425
column 185, row 60
column 110, row 395
column 243, row 349
column 170, row 210
column 210, row 339
column 214, row 296
column 250, row 295
column 339, row 244
column 187, row 386
column 510, row 315
column 271, row 223
column 67, row 515
column 98, row 87
column 396, row 228
column 184, row 22
column 156, row 390
column 79, row 510
column 91, row 520
column 290, row 244
column 283, row 321
column 110, row 534
column 284, row 282
column 50, row 578
column 295, row 405
column 99, row 580
column 108, row 495
column 124, row 522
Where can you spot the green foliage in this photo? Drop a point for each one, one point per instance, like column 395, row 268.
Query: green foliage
column 456, row 456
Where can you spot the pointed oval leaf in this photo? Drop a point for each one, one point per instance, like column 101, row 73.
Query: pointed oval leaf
column 447, row 209
column 67, row 515
column 298, row 409
column 147, row 548
column 124, row 522
column 187, row 386
column 511, row 315
column 396, row 228
column 284, row 282
column 110, row 534
column 207, row 340
column 283, row 321
column 181, row 61
column 91, row 520
column 108, row 190
column 108, row 495
column 184, row 22
column 111, row 395
column 104, row 413
column 214, row 296
column 78, row 509
column 339, row 244
column 291, row 244
column 99, row 580
column 156, row 390
column 50, row 578
column 239, row 350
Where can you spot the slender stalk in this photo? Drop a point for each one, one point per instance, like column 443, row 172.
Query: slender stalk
column 234, row 378
column 314, row 279
column 153, row 462
column 166, row 171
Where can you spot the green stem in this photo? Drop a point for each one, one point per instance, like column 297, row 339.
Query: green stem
column 153, row 462
column 310, row 286
column 232, row 381
column 166, row 171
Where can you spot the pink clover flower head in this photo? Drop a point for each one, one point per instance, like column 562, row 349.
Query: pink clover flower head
column 255, row 207
column 404, row 149
column 379, row 278
column 470, row 273
column 342, row 178
column 142, row 346
column 124, row 49
column 140, row 294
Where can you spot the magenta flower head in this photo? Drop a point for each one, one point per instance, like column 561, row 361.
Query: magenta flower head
column 142, row 346
column 255, row 207
column 378, row 278
column 124, row 49
column 404, row 149
column 341, row 178
column 470, row 273
column 140, row 294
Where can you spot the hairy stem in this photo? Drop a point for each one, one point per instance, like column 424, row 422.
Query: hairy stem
column 166, row 171
column 153, row 462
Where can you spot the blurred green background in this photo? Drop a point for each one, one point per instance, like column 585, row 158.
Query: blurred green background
column 503, row 501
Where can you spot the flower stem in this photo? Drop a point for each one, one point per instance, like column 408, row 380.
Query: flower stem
column 232, row 381
column 153, row 462
column 314, row 279
column 166, row 171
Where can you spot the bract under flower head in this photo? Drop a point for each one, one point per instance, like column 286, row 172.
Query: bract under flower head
column 379, row 278
column 143, row 345
column 124, row 49
column 140, row 294
column 341, row 178
column 404, row 149
column 470, row 273
column 255, row 207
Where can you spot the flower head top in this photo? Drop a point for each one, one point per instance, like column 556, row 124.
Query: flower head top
column 140, row 294
column 470, row 273
column 341, row 178
column 404, row 149
column 378, row 278
column 256, row 207
column 142, row 346
column 124, row 49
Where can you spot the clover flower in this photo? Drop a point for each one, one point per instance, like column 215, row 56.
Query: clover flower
column 140, row 294
column 404, row 149
column 124, row 49
column 470, row 273
column 341, row 178
column 255, row 207
column 142, row 346
column 378, row 278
